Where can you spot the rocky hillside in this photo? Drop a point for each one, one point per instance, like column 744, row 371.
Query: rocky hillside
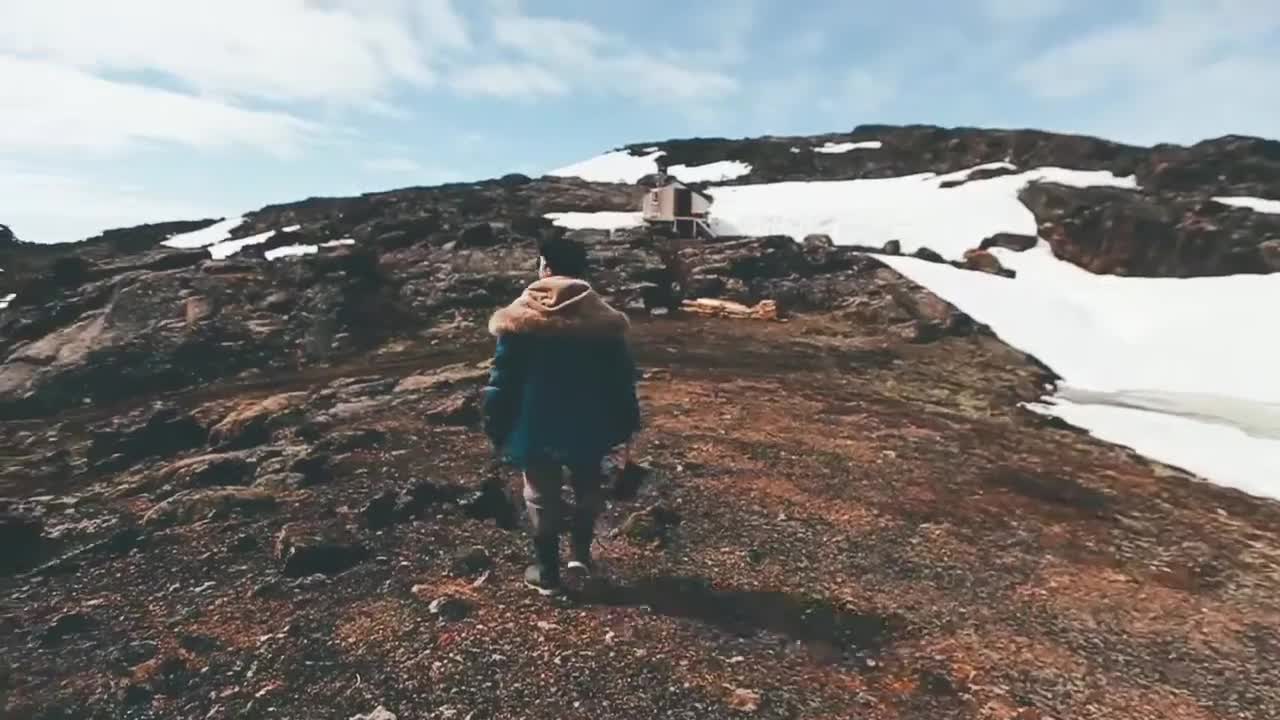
column 247, row 487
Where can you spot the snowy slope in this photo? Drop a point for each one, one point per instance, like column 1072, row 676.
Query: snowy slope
column 621, row 166
column 914, row 209
column 832, row 148
column 597, row 220
column 1155, row 364
column 1256, row 204
column 215, row 233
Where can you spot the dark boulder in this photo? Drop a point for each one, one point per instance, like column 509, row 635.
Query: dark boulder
column 21, row 538
column 304, row 552
column 1010, row 241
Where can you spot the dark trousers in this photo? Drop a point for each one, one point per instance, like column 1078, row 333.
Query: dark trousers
column 543, row 480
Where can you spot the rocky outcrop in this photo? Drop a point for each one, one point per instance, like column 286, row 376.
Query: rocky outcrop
column 1126, row 233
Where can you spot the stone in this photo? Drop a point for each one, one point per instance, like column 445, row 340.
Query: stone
column 982, row 261
column 279, row 302
column 22, row 538
column 514, row 180
column 490, row 502
column 893, row 247
column 281, row 481
column 443, row 377
column 471, row 562
column 478, row 235
column 213, row 470
column 210, row 503
column 928, row 255
column 165, row 432
column 1269, row 251
column 744, row 701
column 450, row 609
column 136, row 653
column 1010, row 241
column 315, row 468
column 458, row 410
column 380, row 512
column 413, row 502
column 252, row 422
column 628, row 480
column 67, row 625
column 651, row 526
column 199, row 644
column 818, row 241
column 304, row 552
column 351, row 440
column 379, row 713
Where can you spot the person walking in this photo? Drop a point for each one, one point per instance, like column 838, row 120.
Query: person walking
column 561, row 395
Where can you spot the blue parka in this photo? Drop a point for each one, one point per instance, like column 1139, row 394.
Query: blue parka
column 562, row 386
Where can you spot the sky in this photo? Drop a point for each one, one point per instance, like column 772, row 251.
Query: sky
column 129, row 111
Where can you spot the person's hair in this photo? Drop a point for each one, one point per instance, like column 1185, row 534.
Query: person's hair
column 564, row 257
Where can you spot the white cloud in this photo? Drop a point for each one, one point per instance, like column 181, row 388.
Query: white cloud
column 1022, row 11
column 579, row 54
column 1177, row 37
column 393, row 165
column 50, row 207
column 1185, row 71
column 865, row 90
column 48, row 107
column 342, row 52
column 508, row 80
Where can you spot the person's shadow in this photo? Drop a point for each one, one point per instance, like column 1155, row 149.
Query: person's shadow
column 826, row 630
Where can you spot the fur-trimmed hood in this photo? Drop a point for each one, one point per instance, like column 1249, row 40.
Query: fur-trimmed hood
column 559, row 306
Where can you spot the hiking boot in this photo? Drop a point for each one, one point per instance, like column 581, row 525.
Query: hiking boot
column 546, row 583
column 581, row 567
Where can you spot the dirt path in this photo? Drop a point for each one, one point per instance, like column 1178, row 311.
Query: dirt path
column 834, row 527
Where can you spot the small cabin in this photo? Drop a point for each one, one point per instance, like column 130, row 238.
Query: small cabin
column 681, row 210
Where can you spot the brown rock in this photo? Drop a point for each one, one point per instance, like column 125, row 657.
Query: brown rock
column 304, row 552
column 209, row 503
column 460, row 409
column 443, row 377
column 197, row 309
column 252, row 422
column 1270, row 252
column 982, row 261
column 215, row 469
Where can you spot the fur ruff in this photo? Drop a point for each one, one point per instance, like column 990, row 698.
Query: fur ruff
column 559, row 306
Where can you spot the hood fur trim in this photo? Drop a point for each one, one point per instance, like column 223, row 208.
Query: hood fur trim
column 559, row 306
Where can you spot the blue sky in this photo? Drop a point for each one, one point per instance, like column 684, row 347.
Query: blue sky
column 121, row 112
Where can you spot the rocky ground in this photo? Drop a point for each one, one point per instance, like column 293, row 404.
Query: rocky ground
column 245, row 488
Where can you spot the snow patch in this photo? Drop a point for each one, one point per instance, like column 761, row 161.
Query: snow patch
column 619, row 166
column 604, row 220
column 1256, row 204
column 211, row 235
column 303, row 249
column 835, row 148
column 1154, row 364
column 913, row 209
column 1150, row 363
column 1224, row 454
column 227, row 248
column 722, row 171
column 7, row 299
